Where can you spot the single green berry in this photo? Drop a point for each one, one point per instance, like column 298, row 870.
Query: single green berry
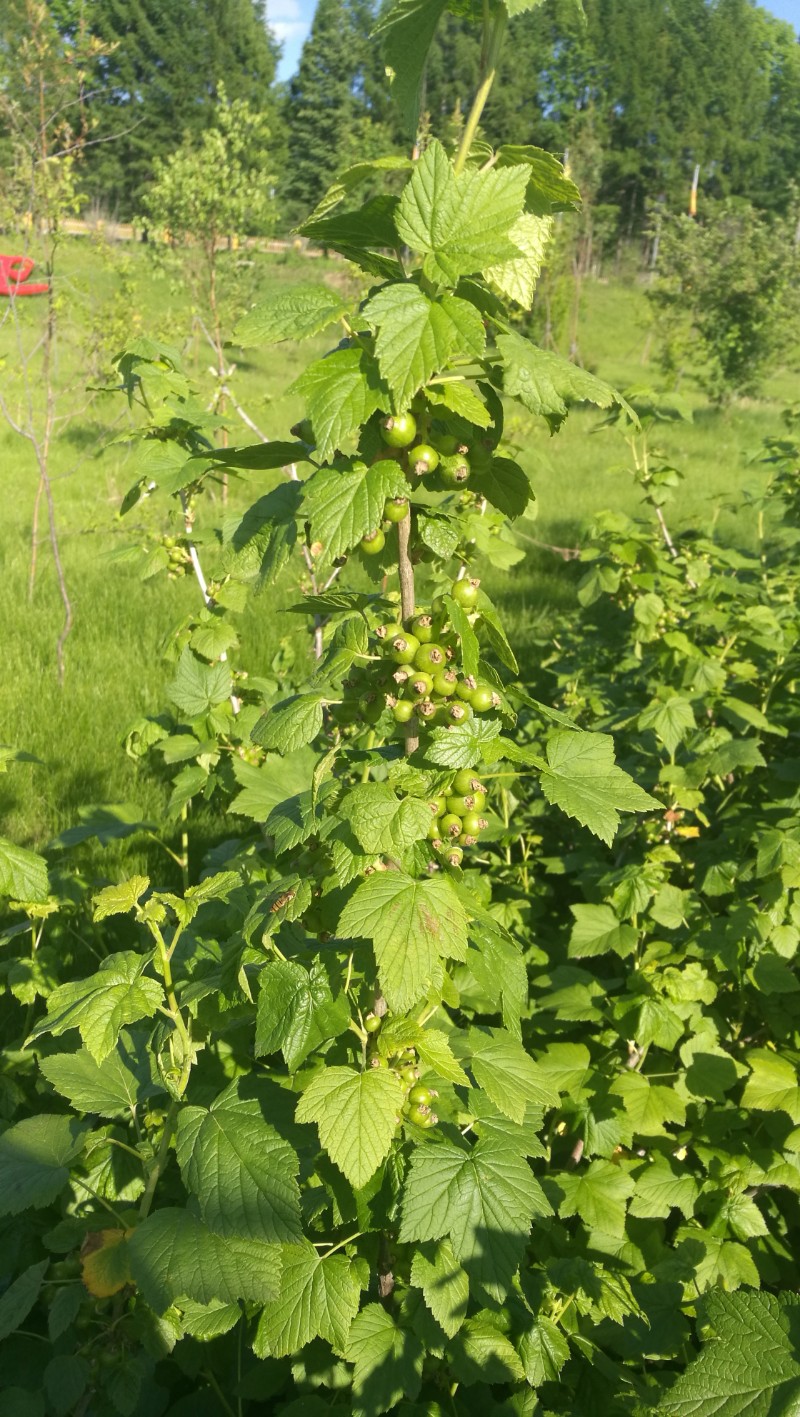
column 465, row 592
column 303, row 431
column 373, row 543
column 479, row 798
column 444, row 683
column 473, row 823
column 400, row 430
column 465, row 688
column 466, row 840
column 435, row 830
column 448, row 444
column 460, row 805
column 454, row 471
column 376, row 1061
column 404, row 649
column 427, row 710
column 458, row 712
column 372, row 1023
column 439, row 805
column 403, row 711
column 422, row 627
column 420, row 1095
column 409, row 1074
column 387, row 633
column 430, row 657
column 423, row 458
column 481, row 698
column 395, row 509
column 422, row 683
column 372, row 707
column 451, row 825
column 422, row 1116
column 466, row 781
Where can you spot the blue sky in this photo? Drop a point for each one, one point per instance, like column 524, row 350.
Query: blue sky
column 290, row 19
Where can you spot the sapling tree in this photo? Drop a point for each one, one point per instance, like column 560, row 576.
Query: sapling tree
column 42, row 88
column 210, row 191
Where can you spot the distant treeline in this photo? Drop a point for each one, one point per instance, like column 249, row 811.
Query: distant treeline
column 637, row 93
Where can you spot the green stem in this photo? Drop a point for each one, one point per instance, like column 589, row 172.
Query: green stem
column 495, row 42
column 77, row 1181
column 159, row 1163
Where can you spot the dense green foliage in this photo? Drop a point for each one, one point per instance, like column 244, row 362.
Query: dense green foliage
column 466, row 1079
column 730, row 285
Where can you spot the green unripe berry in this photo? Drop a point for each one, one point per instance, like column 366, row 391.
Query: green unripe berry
column 467, row 781
column 466, row 840
column 473, row 823
column 451, row 825
column 420, row 1095
column 479, row 798
column 422, row 1116
column 422, row 627
column 399, row 430
column 444, row 683
column 403, row 711
column 439, row 805
column 427, row 711
column 372, row 1023
column 421, row 683
column 430, row 657
column 423, row 458
column 460, row 805
column 465, row 592
column 404, row 649
column 376, row 1061
column 465, row 688
column 373, row 543
column 453, row 854
column 454, row 471
column 408, row 1074
column 395, row 509
column 387, row 633
column 435, row 830
column 481, row 698
column 372, row 707
column 458, row 712
column 448, row 444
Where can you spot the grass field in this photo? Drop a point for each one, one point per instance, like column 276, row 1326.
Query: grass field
column 115, row 671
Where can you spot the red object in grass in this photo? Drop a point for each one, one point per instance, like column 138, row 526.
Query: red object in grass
column 14, row 272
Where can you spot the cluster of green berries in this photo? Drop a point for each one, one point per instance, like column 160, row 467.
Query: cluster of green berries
column 457, row 816
column 427, row 684
column 444, row 456
column 178, row 558
column 418, row 1097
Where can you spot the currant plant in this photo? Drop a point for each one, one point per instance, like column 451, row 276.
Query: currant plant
column 303, row 1122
